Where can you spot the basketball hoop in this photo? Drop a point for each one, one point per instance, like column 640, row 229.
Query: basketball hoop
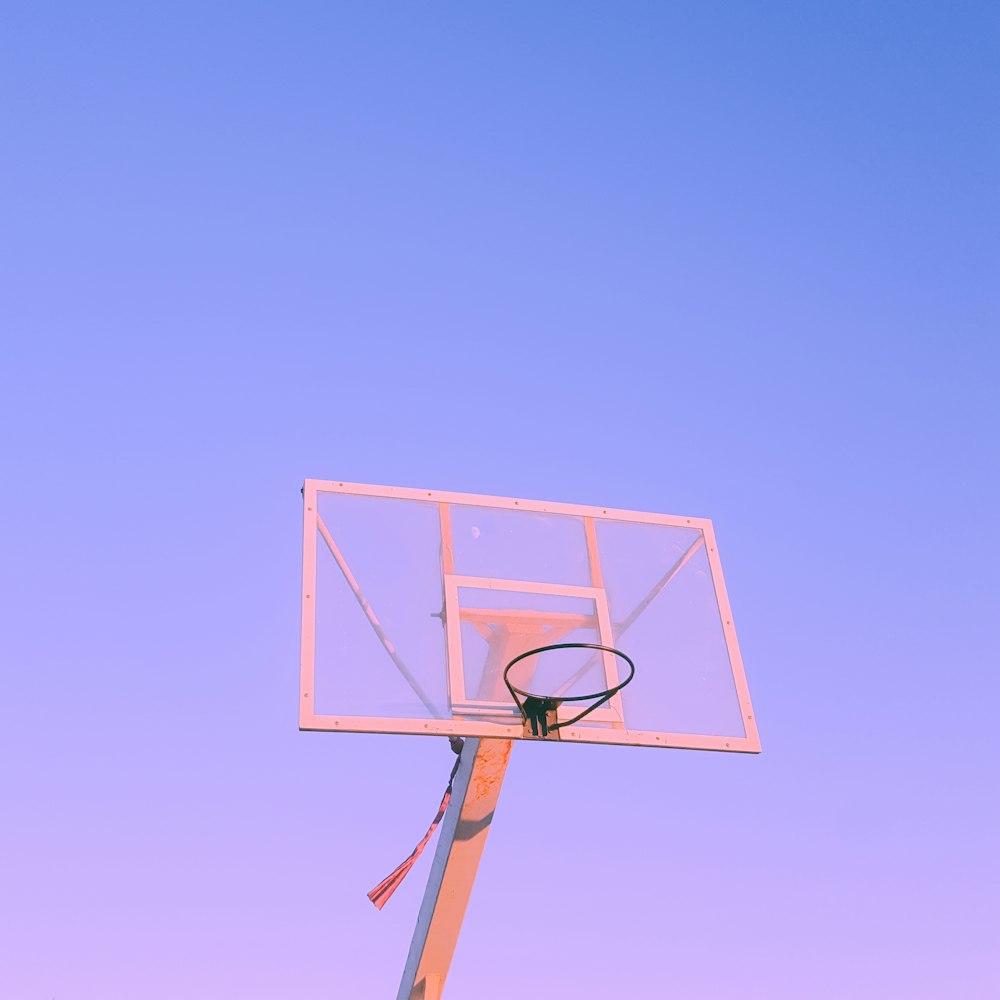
column 540, row 710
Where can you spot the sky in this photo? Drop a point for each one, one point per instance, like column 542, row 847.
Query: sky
column 729, row 260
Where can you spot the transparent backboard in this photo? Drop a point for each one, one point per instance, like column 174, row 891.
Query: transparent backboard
column 415, row 601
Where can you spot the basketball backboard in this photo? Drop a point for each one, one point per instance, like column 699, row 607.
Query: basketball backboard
column 414, row 602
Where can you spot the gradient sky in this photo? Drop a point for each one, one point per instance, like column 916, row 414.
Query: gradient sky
column 730, row 260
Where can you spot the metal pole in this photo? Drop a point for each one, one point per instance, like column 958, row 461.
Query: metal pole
column 463, row 836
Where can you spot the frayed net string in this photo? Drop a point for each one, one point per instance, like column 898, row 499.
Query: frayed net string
column 381, row 894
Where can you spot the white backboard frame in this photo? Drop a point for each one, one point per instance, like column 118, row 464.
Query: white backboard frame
column 314, row 533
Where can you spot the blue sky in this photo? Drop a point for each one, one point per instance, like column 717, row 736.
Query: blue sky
column 709, row 259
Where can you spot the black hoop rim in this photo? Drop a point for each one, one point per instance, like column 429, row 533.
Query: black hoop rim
column 602, row 696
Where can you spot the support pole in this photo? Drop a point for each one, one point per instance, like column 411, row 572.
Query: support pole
column 456, row 860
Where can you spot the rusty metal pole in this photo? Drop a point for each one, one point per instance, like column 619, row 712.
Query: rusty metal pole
column 463, row 836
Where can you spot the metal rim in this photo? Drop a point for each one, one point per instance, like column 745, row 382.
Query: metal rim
column 602, row 696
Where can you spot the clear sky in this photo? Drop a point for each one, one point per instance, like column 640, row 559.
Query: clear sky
column 730, row 260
